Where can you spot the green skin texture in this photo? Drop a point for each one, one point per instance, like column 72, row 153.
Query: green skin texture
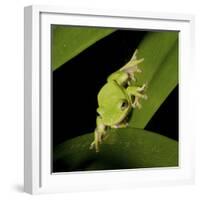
column 116, row 99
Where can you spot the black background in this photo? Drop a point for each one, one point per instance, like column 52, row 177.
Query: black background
column 77, row 83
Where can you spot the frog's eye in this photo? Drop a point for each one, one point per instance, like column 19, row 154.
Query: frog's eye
column 124, row 104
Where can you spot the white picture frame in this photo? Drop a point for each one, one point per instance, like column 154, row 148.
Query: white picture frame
column 37, row 138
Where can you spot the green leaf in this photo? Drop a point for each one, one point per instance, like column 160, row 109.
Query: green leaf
column 67, row 41
column 159, row 71
column 123, row 148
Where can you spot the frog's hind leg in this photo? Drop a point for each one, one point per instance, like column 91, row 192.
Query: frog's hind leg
column 132, row 66
column 99, row 134
column 96, row 141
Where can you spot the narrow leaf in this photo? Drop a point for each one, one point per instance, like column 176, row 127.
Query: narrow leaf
column 68, row 41
column 160, row 72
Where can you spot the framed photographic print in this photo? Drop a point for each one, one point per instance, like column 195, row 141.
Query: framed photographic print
column 106, row 95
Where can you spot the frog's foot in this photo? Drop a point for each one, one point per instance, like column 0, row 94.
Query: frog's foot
column 134, row 61
column 131, row 70
column 132, row 66
column 92, row 145
column 142, row 89
column 95, row 143
column 138, row 93
column 98, row 137
column 136, row 103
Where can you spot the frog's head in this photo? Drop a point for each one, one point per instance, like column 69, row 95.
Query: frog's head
column 114, row 104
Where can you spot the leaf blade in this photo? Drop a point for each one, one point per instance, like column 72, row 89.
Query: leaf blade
column 160, row 73
column 124, row 148
column 77, row 38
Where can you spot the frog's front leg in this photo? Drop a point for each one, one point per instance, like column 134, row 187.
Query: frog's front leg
column 99, row 134
column 137, row 92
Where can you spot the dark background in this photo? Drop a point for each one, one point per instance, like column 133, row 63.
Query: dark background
column 77, row 83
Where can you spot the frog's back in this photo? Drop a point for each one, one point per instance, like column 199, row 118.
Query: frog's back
column 111, row 92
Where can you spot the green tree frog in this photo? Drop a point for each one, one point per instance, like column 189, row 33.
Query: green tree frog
column 117, row 98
